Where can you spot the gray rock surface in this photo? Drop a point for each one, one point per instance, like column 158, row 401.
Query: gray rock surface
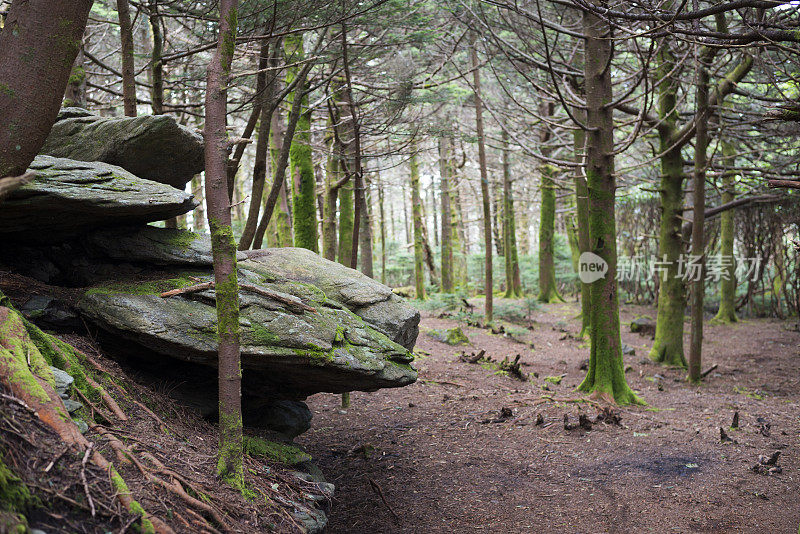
column 285, row 353
column 154, row 147
column 370, row 300
column 71, row 197
column 289, row 418
column 63, row 380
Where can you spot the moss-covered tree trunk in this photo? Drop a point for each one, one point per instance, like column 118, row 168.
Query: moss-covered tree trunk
column 365, row 233
column 223, row 249
column 548, row 292
column 727, row 283
column 668, row 344
column 416, row 207
column 446, row 242
column 383, row 231
column 38, row 46
column 199, row 213
column 329, row 240
column 513, row 279
column 75, row 95
column 486, row 199
column 301, row 170
column 606, row 376
column 128, row 65
column 581, row 214
column 346, row 223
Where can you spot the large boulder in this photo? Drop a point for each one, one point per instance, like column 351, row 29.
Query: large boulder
column 70, row 197
column 154, row 147
column 367, row 298
column 286, row 268
column 286, row 352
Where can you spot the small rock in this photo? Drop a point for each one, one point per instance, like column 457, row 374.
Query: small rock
column 83, row 428
column 63, row 380
column 584, row 365
column 72, row 405
column 628, row 350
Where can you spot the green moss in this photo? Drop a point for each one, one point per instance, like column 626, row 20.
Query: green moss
column 152, row 287
column 14, row 494
column 554, row 379
column 278, row 452
column 121, row 488
column 451, row 336
column 261, row 336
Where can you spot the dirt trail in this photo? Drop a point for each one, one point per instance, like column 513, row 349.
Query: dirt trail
column 442, row 466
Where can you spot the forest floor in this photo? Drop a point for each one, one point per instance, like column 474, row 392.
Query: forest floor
column 438, row 456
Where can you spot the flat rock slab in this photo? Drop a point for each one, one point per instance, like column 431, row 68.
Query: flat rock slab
column 70, row 197
column 286, row 354
column 367, row 298
column 154, row 147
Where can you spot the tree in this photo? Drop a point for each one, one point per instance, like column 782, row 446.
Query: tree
column 547, row 271
column 727, row 283
column 31, row 89
column 301, row 169
column 128, row 66
column 223, row 248
column 486, row 199
column 606, row 376
column 513, row 281
column 446, row 242
column 416, row 207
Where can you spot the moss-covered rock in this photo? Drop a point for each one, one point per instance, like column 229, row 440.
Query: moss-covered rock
column 154, row 147
column 451, row 336
column 69, row 197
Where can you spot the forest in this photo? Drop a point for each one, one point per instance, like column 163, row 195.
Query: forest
column 390, row 266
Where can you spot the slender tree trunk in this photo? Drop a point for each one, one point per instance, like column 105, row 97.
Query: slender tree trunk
column 76, row 87
column 223, row 247
column 445, row 144
column 128, row 65
column 301, row 168
column 416, row 207
column 264, row 93
column 487, row 210
column 156, row 64
column 606, row 376
column 199, row 215
column 346, row 223
column 513, row 280
column 698, row 221
column 383, row 231
column 727, row 283
column 31, row 90
column 332, row 175
column 365, row 235
column 582, row 216
column 548, row 291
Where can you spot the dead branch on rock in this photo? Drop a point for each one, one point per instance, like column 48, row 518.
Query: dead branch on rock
column 12, row 183
column 291, row 302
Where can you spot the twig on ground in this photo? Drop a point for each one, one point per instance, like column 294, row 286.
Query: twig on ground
column 379, row 491
column 83, row 478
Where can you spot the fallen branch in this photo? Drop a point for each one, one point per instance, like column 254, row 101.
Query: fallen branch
column 377, row 489
column 790, row 184
column 708, row 371
column 83, row 478
column 291, row 302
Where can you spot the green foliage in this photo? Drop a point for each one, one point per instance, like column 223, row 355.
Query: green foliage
column 277, row 452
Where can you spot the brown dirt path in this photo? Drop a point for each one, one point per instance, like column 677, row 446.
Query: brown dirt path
column 441, row 468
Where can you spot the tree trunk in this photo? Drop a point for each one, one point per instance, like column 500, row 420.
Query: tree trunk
column 365, row 234
column 128, row 65
column 668, row 343
column 31, row 89
column 447, row 216
column 606, row 376
column 383, row 232
column 332, row 175
column 487, row 210
column 223, row 247
column 513, row 281
column 346, row 223
column 581, row 211
column 301, row 169
column 727, row 283
column 416, row 207
column 698, row 221
column 198, row 216
column 75, row 95
column 264, row 92
column 548, row 292
column 156, row 64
